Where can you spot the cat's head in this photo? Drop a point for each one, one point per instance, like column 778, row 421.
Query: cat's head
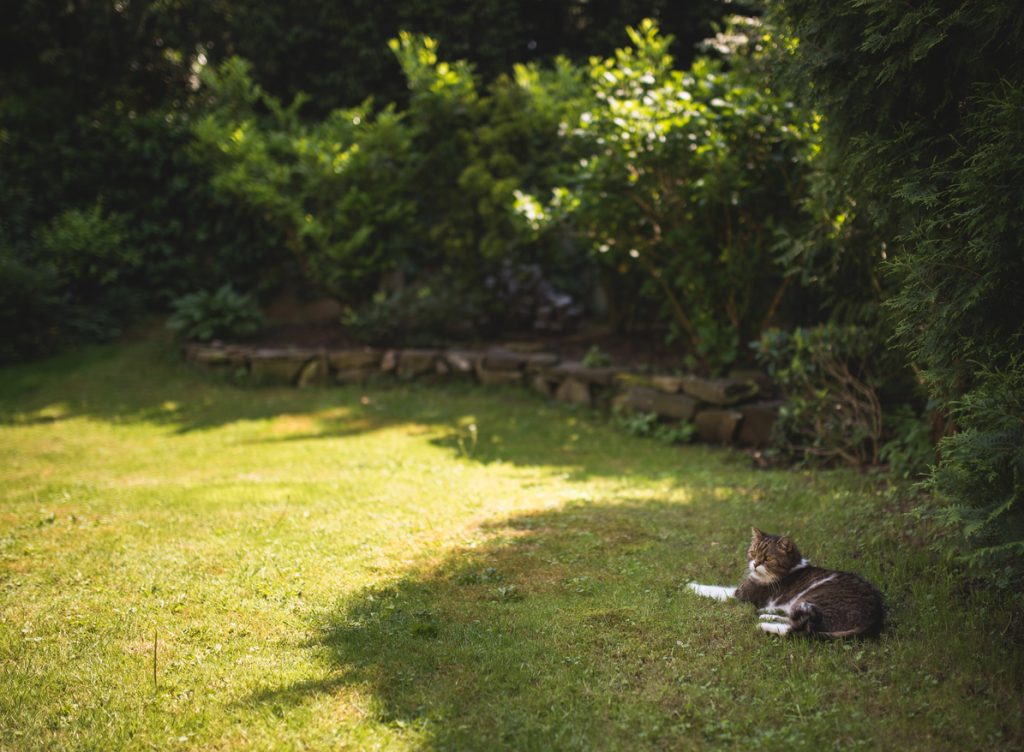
column 771, row 556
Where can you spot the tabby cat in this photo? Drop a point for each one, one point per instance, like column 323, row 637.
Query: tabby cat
column 793, row 596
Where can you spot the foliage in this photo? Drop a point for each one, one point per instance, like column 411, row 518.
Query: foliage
column 143, row 53
column 689, row 177
column 595, row 357
column 360, row 196
column 648, row 425
column 88, row 248
column 32, row 308
column 833, row 411
column 110, row 206
column 67, row 283
column 982, row 472
column 338, row 53
column 98, row 99
column 334, row 189
column 427, row 314
column 923, row 110
column 909, row 449
column 205, row 315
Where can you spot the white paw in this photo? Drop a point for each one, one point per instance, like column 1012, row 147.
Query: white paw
column 717, row 592
column 774, row 628
column 774, row 618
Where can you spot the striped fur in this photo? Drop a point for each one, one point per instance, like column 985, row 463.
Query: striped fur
column 795, row 597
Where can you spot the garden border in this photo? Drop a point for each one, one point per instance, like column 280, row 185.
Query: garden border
column 739, row 410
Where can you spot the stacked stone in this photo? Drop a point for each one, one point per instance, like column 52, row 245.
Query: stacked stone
column 734, row 410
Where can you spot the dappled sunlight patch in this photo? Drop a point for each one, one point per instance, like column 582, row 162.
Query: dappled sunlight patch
column 516, row 603
column 51, row 413
column 336, row 421
column 286, row 425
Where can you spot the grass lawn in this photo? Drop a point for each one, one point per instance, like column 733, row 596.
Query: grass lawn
column 349, row 568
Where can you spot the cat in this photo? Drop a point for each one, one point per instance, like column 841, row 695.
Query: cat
column 794, row 597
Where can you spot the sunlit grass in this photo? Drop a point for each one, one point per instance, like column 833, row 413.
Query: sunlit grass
column 360, row 568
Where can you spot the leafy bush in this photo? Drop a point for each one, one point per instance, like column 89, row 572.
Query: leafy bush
column 89, row 249
column 832, row 411
column 361, row 195
column 909, row 449
column 65, row 284
column 334, row 189
column 32, row 308
column 688, row 177
column 922, row 108
column 427, row 314
column 220, row 314
column 982, row 472
column 595, row 357
column 648, row 425
column 97, row 108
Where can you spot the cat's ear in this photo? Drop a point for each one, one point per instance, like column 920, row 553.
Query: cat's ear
column 756, row 534
column 786, row 543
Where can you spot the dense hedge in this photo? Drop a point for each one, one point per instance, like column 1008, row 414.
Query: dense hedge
column 923, row 107
column 97, row 98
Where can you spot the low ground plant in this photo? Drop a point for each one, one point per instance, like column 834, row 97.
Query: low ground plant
column 222, row 313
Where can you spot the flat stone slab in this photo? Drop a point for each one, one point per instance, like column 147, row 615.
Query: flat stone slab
column 719, row 392
column 499, row 359
column 389, row 361
column 207, row 355
column 523, row 347
column 758, row 420
column 278, row 366
column 347, row 360
column 575, row 391
column 628, row 380
column 541, row 385
column 765, row 385
column 355, row 375
column 217, row 356
column 717, row 426
column 540, row 361
column 667, row 384
column 282, row 353
column 412, row 363
column 603, row 376
column 462, row 361
column 499, row 378
column 314, row 373
column 646, row 400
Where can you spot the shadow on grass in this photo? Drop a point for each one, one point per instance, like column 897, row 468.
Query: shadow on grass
column 148, row 383
column 567, row 629
column 573, row 629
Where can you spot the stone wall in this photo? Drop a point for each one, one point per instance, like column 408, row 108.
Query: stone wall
column 738, row 410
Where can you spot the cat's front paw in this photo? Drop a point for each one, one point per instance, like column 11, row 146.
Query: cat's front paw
column 717, row 592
